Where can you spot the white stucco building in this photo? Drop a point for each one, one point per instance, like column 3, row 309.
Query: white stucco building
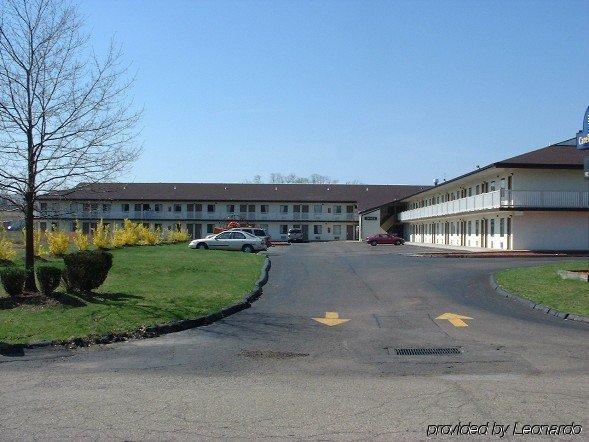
column 535, row 201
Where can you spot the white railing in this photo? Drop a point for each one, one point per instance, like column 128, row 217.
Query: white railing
column 517, row 199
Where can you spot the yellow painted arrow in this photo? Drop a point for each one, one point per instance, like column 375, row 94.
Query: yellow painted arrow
column 331, row 319
column 455, row 320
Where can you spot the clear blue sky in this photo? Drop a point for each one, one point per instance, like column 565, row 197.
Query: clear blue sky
column 380, row 92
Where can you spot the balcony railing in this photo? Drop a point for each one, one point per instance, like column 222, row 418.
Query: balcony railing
column 516, row 199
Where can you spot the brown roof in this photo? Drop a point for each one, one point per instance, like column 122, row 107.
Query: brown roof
column 555, row 156
column 363, row 195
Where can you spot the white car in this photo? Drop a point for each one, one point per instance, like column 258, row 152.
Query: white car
column 230, row 240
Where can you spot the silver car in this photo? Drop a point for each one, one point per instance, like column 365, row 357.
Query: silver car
column 230, row 240
column 295, row 235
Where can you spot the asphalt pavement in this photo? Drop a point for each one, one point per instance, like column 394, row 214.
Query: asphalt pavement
column 274, row 372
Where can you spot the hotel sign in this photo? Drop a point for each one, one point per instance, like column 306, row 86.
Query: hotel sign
column 583, row 134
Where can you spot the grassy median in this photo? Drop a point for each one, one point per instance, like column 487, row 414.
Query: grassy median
column 543, row 285
column 146, row 286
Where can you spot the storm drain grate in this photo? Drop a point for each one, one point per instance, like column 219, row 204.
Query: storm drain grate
column 427, row 351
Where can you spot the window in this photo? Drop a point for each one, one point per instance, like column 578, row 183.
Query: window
column 470, row 191
column 237, row 235
column 478, row 189
column 146, row 207
column 157, row 207
column 470, row 227
column 230, row 208
column 296, row 208
column 243, row 208
column 73, row 207
column 492, row 186
column 337, row 230
column 224, row 235
column 198, row 207
column 177, row 207
column 94, row 207
column 349, row 209
column 283, row 229
column 317, row 208
column 337, row 209
column 106, row 207
column 492, row 227
column 317, row 229
column 476, row 227
column 210, row 228
column 43, row 206
column 137, row 207
column 264, row 208
column 284, row 208
column 503, row 184
column 210, row 208
column 190, row 207
column 125, row 207
column 305, row 208
column 502, row 227
column 251, row 208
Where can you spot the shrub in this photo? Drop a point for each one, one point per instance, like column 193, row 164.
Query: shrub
column 49, row 278
column 147, row 237
column 87, row 270
column 13, row 280
column 101, row 236
column 117, row 239
column 58, row 242
column 178, row 235
column 7, row 252
column 80, row 238
column 38, row 248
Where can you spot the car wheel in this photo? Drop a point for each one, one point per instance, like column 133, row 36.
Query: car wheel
column 202, row 245
column 373, row 243
column 398, row 243
column 247, row 249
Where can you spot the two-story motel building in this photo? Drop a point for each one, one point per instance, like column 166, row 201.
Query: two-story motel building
column 535, row 201
column 323, row 212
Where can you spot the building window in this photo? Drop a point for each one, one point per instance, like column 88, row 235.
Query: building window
column 470, row 191
column 190, row 207
column 198, row 207
column 503, row 184
column 337, row 209
column 305, row 208
column 478, row 189
column 492, row 186
column 296, row 208
column 137, row 207
column 43, row 206
column 492, row 227
column 476, row 227
column 502, row 227
column 264, row 208
column 210, row 208
column 106, row 207
column 146, row 207
column 251, row 208
column 210, row 228
column 337, row 230
column 177, row 207
column 284, row 208
column 317, row 208
column 349, row 209
column 230, row 208
column 243, row 208
column 157, row 207
column 125, row 207
column 317, row 229
column 470, row 227
column 283, row 229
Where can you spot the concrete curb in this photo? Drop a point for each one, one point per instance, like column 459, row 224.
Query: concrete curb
column 531, row 304
column 156, row 330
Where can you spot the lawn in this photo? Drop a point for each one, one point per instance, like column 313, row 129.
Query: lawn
column 146, row 286
column 542, row 285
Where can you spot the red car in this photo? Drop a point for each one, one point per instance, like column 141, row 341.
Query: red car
column 385, row 238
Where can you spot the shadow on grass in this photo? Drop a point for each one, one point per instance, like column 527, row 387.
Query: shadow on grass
column 106, row 298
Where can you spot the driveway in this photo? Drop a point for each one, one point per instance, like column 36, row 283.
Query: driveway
column 274, row 372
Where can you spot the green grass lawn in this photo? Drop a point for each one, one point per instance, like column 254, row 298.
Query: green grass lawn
column 542, row 285
column 146, row 286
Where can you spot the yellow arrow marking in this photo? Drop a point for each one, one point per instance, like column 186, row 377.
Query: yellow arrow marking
column 455, row 320
column 331, row 319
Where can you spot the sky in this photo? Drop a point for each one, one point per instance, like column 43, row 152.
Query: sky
column 379, row 92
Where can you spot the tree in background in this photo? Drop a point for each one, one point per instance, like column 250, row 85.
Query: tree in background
column 291, row 178
column 65, row 114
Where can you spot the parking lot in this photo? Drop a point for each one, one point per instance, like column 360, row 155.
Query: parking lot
column 320, row 355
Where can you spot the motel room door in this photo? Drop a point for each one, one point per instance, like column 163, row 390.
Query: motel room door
column 305, row 230
column 483, row 233
column 349, row 232
column 447, row 233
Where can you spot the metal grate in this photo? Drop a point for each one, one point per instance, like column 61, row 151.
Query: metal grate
column 427, row 351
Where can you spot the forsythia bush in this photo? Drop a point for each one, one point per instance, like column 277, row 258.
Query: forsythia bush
column 7, row 251
column 80, row 239
column 101, row 236
column 148, row 237
column 178, row 235
column 58, row 242
column 38, row 248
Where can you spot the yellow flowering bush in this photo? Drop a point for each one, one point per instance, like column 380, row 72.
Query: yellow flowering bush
column 7, row 251
column 178, row 235
column 147, row 237
column 80, row 238
column 58, row 242
column 38, row 248
column 101, row 236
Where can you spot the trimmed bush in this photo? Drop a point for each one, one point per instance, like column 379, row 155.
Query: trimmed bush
column 49, row 278
column 87, row 270
column 13, row 280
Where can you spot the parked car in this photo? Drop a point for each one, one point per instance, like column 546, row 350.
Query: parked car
column 230, row 240
column 255, row 231
column 294, row 235
column 385, row 238
column 15, row 226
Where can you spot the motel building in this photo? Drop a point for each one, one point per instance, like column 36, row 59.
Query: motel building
column 535, row 201
column 324, row 212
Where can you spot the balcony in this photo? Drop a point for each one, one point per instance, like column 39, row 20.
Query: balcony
column 502, row 199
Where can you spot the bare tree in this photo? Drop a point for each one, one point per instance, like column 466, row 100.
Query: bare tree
column 65, row 115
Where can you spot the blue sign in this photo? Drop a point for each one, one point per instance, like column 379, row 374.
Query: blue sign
column 583, row 134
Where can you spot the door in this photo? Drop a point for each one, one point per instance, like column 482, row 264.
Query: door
column 483, row 233
column 447, row 233
column 509, row 246
column 236, row 241
column 198, row 230
column 349, row 232
column 190, row 229
column 305, row 230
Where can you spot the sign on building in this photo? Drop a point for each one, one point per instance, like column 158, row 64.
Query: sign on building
column 583, row 134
